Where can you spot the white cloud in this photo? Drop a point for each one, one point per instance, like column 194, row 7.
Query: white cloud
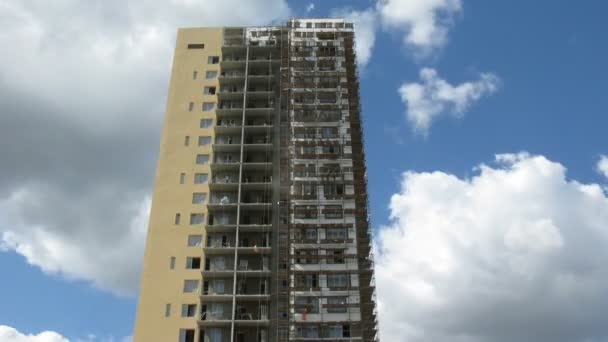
column 87, row 86
column 602, row 165
column 434, row 97
column 518, row 252
column 310, row 7
column 425, row 22
column 366, row 23
column 9, row 334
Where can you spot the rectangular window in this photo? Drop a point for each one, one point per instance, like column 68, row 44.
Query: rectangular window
column 196, row 46
column 307, row 305
column 197, row 219
column 337, row 280
column 333, row 211
column 188, row 310
column 336, row 234
column 202, row 158
column 335, row 256
column 187, row 140
column 195, row 240
column 213, row 60
column 190, row 286
column 167, row 310
column 208, row 106
column 191, row 106
column 206, row 123
column 194, row 74
column 172, row 263
column 336, row 304
column 209, row 91
column 177, row 218
column 182, row 178
column 307, row 331
column 204, row 140
column 199, row 197
column 193, row 263
column 200, row 178
column 210, row 75
column 186, row 335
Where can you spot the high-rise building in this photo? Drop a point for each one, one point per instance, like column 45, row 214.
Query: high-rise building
column 259, row 229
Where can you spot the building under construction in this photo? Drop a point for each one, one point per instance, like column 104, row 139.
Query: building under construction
column 259, row 227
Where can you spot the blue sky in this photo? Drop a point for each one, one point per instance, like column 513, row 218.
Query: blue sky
column 548, row 60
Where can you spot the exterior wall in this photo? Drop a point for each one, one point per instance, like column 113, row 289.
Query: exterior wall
column 160, row 285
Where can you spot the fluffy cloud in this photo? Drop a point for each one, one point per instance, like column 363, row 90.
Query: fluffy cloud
column 433, row 97
column 425, row 22
column 518, row 252
column 8, row 334
column 366, row 23
column 82, row 91
column 602, row 166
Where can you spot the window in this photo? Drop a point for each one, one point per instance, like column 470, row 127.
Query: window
column 194, row 74
column 208, row 106
column 334, row 331
column 187, row 140
column 202, row 158
column 197, row 219
column 209, row 91
column 195, row 240
column 189, row 310
column 182, row 178
column 337, row 280
column 186, row 335
column 307, row 256
column 199, row 197
column 307, row 305
column 336, row 234
column 191, row 106
column 190, row 286
column 204, row 140
column 193, row 263
column 213, row 60
column 333, row 211
column 206, row 123
column 167, row 310
column 200, row 178
column 336, row 304
column 307, row 280
column 210, row 75
column 311, row 234
column 177, row 218
column 196, row 46
column 335, row 256
column 172, row 263
column 307, row 331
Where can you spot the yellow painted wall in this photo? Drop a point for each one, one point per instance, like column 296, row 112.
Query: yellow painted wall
column 159, row 284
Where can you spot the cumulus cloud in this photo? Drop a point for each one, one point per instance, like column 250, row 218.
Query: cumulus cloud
column 425, row 23
column 366, row 23
column 310, row 7
column 515, row 253
column 602, row 166
column 433, row 97
column 82, row 91
column 9, row 334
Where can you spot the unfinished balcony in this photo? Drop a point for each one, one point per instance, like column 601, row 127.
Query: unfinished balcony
column 224, row 181
column 243, row 334
column 232, row 92
column 228, row 126
column 227, row 143
column 225, row 161
column 249, row 266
